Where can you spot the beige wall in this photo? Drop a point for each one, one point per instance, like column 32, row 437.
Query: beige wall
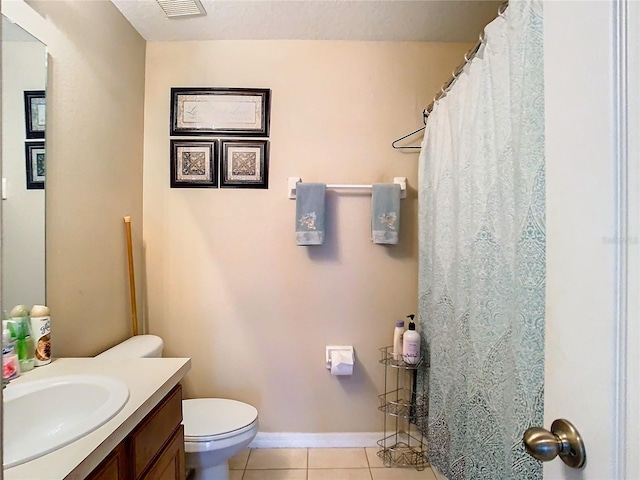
column 94, row 176
column 23, row 244
column 227, row 286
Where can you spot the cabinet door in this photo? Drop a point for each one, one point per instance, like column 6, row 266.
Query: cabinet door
column 170, row 464
column 154, row 450
column 155, row 431
column 114, row 467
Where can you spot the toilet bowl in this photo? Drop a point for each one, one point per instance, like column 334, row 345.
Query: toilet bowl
column 215, row 429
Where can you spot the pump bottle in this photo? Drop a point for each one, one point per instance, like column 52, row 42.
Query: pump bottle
column 411, row 343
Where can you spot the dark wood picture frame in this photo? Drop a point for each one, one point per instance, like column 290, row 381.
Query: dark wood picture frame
column 244, row 164
column 194, row 164
column 243, row 112
column 36, row 166
column 34, row 113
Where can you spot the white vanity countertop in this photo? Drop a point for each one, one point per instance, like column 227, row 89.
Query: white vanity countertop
column 148, row 379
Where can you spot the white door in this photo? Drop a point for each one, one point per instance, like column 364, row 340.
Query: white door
column 592, row 339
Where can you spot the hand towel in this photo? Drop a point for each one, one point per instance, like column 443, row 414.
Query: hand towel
column 310, row 213
column 385, row 213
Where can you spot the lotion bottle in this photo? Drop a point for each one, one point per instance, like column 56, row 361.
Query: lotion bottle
column 398, row 332
column 411, row 343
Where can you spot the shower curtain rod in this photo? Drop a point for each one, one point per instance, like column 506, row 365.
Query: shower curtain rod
column 447, row 86
column 459, row 69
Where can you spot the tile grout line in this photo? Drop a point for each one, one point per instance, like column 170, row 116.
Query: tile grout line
column 246, row 464
column 366, row 456
column 307, row 476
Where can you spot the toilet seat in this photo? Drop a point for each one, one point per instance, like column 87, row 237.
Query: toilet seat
column 212, row 419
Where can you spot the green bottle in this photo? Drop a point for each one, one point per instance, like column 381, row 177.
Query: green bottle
column 20, row 328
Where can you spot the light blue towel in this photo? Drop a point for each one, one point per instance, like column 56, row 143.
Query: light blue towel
column 310, row 213
column 385, row 213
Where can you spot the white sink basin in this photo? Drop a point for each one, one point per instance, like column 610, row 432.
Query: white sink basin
column 44, row 415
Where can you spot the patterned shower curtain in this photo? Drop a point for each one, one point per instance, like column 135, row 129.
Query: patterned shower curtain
column 482, row 255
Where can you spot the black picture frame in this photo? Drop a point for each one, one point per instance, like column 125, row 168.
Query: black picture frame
column 243, row 112
column 244, row 164
column 194, row 164
column 36, row 165
column 34, row 113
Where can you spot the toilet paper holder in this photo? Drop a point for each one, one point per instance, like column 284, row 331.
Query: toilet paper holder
column 340, row 359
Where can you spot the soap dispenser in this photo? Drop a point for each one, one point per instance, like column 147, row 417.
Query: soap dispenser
column 411, row 343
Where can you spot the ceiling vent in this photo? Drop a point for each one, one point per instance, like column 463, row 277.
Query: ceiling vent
column 182, row 8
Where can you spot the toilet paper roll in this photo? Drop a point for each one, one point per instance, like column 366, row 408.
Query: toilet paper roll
column 341, row 363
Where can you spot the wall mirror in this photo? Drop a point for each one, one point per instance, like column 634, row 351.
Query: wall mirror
column 24, row 78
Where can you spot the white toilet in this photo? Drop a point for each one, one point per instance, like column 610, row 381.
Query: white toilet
column 215, row 429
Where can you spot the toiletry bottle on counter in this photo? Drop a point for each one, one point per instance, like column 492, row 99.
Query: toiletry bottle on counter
column 10, row 363
column 398, row 332
column 41, row 331
column 411, row 343
column 20, row 328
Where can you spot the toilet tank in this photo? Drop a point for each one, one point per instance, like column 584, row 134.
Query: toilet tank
column 139, row 346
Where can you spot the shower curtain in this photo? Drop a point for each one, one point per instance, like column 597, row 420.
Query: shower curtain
column 482, row 256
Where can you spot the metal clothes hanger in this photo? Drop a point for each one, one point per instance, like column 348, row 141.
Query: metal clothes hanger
column 425, row 114
column 447, row 86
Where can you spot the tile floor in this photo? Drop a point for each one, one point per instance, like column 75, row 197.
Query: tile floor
column 318, row 464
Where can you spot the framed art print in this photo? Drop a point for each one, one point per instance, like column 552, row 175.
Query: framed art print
column 35, row 160
column 194, row 164
column 240, row 112
column 245, row 164
column 34, row 113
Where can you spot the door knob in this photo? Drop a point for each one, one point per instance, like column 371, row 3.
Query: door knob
column 563, row 440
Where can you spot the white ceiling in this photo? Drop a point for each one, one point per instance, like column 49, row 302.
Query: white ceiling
column 390, row 20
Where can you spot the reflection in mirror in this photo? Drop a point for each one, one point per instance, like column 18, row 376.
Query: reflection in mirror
column 24, row 76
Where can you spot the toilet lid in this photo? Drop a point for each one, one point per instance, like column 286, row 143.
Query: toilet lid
column 204, row 418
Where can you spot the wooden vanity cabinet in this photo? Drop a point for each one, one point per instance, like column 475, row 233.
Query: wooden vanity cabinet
column 154, row 450
column 170, row 463
column 113, row 467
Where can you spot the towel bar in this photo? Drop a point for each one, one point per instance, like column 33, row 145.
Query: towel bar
column 292, row 181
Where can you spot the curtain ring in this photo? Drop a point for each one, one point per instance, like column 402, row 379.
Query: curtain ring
column 459, row 69
column 445, row 88
column 472, row 53
column 503, row 8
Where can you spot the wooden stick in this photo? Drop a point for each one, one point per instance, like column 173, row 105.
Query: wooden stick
column 132, row 283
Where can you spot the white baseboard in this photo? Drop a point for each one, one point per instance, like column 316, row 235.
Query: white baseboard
column 316, row 440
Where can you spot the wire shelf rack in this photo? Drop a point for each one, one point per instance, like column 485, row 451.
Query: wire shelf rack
column 400, row 453
column 399, row 403
column 406, row 403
